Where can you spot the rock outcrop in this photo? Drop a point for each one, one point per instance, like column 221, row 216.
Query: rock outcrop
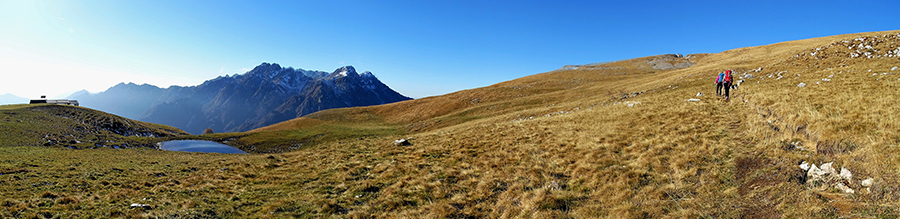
column 669, row 61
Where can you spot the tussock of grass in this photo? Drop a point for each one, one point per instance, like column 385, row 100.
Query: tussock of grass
column 552, row 145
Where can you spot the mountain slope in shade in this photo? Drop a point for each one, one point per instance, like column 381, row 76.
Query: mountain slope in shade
column 126, row 100
column 266, row 95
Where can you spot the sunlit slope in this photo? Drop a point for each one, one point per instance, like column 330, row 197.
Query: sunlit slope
column 539, row 94
column 603, row 82
column 75, row 127
column 529, row 96
column 568, row 143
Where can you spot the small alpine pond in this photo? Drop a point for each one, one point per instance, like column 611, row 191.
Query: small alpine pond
column 199, row 146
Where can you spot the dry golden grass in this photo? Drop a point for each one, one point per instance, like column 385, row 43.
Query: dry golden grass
column 494, row 152
column 563, row 144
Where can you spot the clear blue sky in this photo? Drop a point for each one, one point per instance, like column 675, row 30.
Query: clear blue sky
column 419, row 48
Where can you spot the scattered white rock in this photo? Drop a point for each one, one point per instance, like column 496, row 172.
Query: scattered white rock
column 631, row 103
column 828, row 169
column 826, row 79
column 844, row 188
column 401, row 142
column 814, row 171
column 845, row 173
column 894, row 68
column 826, row 174
column 801, row 84
column 693, row 100
column 868, row 182
column 144, row 206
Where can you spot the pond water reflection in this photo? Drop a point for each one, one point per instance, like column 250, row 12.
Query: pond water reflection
column 199, row 146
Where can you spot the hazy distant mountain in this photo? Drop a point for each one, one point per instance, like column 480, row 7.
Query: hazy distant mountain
column 12, row 99
column 126, row 100
column 266, row 95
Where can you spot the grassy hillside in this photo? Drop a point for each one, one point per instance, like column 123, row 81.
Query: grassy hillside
column 617, row 140
column 75, row 127
column 72, row 127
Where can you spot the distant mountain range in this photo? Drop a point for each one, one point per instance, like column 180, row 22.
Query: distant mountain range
column 12, row 99
column 266, row 95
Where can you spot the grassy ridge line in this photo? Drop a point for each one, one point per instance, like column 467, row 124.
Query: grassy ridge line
column 76, row 127
column 530, row 92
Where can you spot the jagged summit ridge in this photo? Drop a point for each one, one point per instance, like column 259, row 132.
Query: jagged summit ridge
column 272, row 70
column 267, row 94
column 346, row 71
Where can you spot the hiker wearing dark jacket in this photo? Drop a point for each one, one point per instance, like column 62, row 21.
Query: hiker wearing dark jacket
column 719, row 83
column 726, row 82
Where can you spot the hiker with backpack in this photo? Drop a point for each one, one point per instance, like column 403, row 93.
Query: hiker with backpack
column 719, row 83
column 726, row 82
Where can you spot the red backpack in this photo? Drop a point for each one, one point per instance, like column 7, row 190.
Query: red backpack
column 728, row 76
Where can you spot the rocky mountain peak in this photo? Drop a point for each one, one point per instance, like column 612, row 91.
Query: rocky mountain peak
column 265, row 69
column 267, row 94
column 344, row 71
